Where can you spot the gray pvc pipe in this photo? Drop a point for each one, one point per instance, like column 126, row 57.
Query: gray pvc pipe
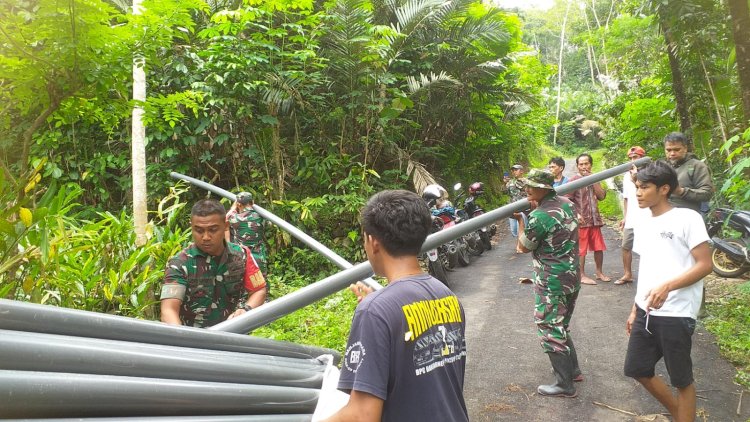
column 27, row 394
column 294, row 231
column 23, row 316
column 329, row 285
column 240, row 418
column 24, row 351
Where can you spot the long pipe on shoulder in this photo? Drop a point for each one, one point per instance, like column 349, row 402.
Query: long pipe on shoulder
column 294, row 231
column 332, row 284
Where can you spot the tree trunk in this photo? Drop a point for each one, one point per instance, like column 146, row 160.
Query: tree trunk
column 559, row 74
column 278, row 158
column 28, row 134
column 138, row 145
column 740, row 13
column 678, row 87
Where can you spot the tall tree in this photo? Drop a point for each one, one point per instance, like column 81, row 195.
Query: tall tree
column 138, row 144
column 738, row 9
column 678, row 85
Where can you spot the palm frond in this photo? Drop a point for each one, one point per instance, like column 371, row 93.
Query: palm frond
column 427, row 81
column 282, row 92
column 412, row 14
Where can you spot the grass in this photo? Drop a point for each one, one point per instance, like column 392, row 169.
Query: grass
column 729, row 321
column 324, row 323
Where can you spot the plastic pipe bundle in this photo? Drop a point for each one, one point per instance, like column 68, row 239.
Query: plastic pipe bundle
column 63, row 363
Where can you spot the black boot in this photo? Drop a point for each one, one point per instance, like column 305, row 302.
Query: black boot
column 563, row 366
column 577, row 375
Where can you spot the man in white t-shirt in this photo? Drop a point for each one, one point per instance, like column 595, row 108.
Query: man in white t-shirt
column 632, row 213
column 674, row 257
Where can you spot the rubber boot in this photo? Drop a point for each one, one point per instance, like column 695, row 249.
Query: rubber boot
column 563, row 366
column 577, row 375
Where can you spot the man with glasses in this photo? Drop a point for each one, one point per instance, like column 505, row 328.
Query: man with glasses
column 675, row 256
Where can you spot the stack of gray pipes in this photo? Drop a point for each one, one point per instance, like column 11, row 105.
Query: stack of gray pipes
column 64, row 363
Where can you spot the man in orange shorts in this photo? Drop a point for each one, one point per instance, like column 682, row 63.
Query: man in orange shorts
column 590, row 222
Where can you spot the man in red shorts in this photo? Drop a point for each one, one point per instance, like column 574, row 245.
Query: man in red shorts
column 590, row 222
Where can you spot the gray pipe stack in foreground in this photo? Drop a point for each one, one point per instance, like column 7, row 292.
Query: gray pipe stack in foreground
column 64, row 363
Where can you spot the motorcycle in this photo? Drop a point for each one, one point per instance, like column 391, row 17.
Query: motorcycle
column 730, row 234
column 435, row 261
column 458, row 249
column 471, row 209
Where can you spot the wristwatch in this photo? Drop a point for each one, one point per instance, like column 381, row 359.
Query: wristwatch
column 247, row 307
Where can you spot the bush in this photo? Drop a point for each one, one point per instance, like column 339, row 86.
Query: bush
column 729, row 321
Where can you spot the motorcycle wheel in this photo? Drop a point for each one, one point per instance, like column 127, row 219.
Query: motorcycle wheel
column 437, row 270
column 726, row 266
column 485, row 240
column 478, row 247
column 463, row 254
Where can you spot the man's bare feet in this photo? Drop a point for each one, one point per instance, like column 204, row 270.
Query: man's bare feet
column 587, row 280
column 604, row 278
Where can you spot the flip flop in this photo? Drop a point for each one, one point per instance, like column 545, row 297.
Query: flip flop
column 525, row 280
column 622, row 281
column 605, row 279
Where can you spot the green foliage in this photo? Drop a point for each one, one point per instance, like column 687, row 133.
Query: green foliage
column 325, row 323
column 644, row 122
column 736, row 188
column 729, row 321
column 53, row 256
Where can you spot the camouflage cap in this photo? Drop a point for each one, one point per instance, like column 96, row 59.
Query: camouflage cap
column 539, row 179
column 244, row 198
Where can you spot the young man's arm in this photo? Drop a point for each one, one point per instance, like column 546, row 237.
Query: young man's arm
column 631, row 319
column 702, row 267
column 361, row 407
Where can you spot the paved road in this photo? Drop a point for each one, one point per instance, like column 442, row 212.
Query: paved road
column 506, row 362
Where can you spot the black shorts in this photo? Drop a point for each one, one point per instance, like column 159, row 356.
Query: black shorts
column 670, row 338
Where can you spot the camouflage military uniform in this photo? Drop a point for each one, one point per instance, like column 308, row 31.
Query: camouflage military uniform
column 247, row 228
column 552, row 235
column 515, row 189
column 210, row 287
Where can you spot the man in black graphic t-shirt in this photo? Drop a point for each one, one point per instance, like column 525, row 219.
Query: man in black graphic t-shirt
column 406, row 354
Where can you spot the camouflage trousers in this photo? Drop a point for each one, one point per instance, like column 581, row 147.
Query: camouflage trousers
column 552, row 313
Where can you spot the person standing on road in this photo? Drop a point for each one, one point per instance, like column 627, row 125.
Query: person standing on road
column 557, row 166
column 406, row 355
column 552, row 237
column 586, row 202
column 247, row 227
column 516, row 192
column 211, row 280
column 693, row 177
column 632, row 214
column 675, row 256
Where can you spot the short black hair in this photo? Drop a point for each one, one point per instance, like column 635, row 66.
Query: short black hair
column 678, row 137
column 399, row 219
column 557, row 160
column 206, row 207
column 585, row 154
column 659, row 173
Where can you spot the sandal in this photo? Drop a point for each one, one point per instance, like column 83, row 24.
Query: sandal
column 622, row 281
